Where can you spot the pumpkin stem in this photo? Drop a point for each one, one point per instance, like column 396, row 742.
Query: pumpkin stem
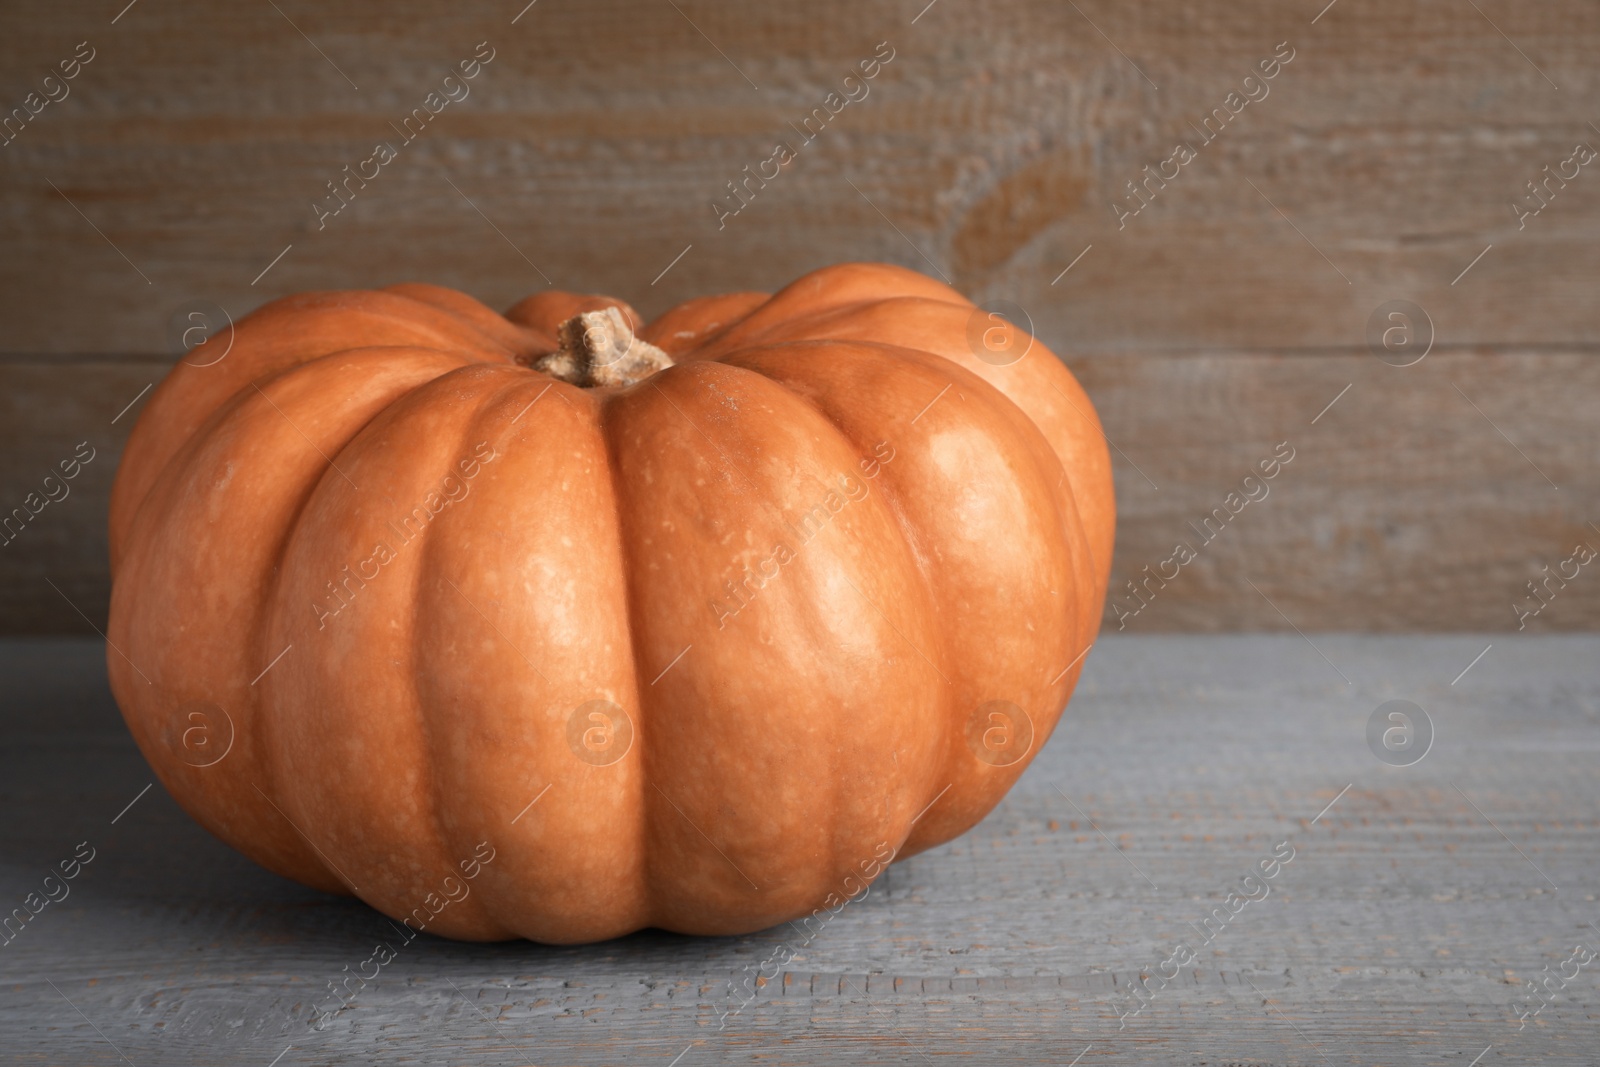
column 598, row 348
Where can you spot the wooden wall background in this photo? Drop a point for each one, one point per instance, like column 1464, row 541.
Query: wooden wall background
column 1219, row 321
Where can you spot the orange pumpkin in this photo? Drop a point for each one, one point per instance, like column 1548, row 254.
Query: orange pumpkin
column 558, row 625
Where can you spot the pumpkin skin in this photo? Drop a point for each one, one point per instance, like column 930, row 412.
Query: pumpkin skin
column 373, row 718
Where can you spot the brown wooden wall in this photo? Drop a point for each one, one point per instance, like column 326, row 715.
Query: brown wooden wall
column 1380, row 164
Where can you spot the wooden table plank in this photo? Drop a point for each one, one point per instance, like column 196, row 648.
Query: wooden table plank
column 1398, row 933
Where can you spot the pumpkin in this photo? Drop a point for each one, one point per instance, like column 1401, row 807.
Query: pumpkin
column 559, row 624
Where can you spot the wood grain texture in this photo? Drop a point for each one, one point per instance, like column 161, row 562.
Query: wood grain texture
column 54, row 575
column 1417, row 902
column 1421, row 497
column 990, row 150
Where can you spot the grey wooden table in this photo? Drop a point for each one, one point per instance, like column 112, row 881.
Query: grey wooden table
column 1419, row 900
